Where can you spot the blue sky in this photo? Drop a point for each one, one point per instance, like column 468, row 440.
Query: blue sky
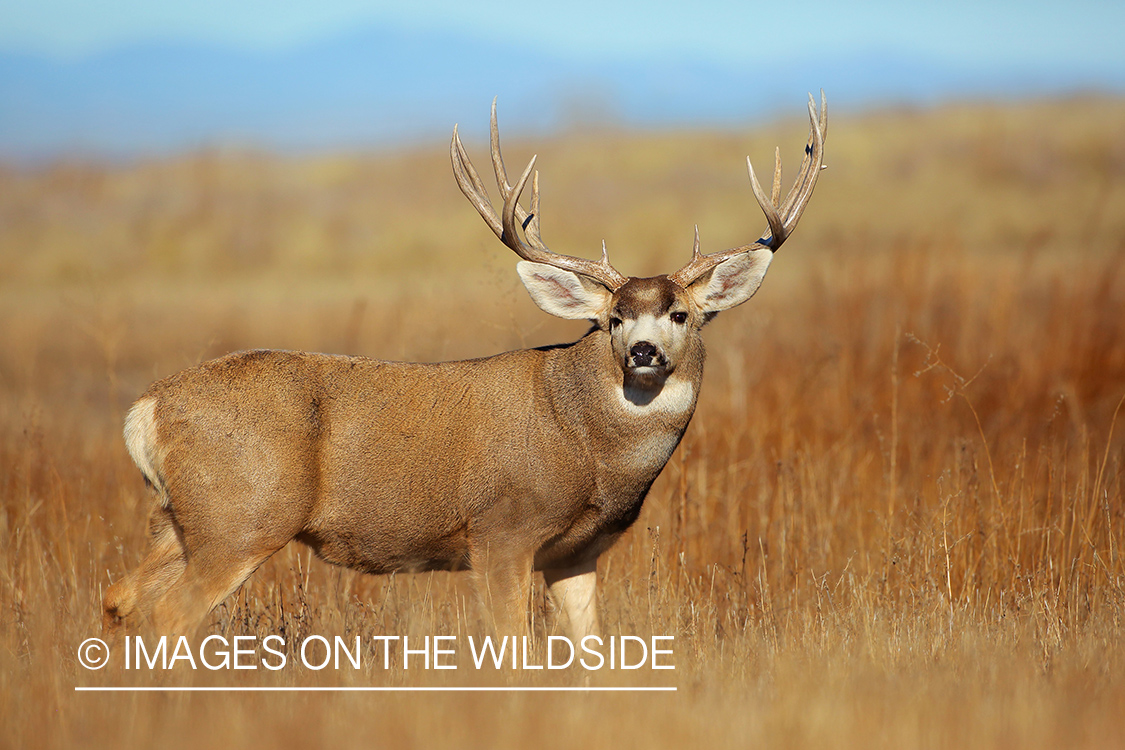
column 1079, row 33
column 138, row 76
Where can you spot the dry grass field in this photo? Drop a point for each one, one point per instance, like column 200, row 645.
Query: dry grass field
column 896, row 520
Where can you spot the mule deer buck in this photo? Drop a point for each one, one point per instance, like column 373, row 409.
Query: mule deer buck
column 536, row 459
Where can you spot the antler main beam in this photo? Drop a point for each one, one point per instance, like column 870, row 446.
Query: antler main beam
column 513, row 216
column 781, row 216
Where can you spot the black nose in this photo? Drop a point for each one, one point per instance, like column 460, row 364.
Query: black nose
column 642, row 353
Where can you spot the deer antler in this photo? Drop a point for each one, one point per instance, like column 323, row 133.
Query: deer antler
column 782, row 217
column 530, row 247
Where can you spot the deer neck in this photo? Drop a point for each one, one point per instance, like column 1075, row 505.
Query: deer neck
column 593, row 398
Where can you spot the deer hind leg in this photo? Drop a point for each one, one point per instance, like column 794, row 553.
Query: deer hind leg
column 573, row 593
column 131, row 599
column 235, row 510
column 208, row 578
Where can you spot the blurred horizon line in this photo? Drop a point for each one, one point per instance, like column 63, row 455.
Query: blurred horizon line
column 378, row 87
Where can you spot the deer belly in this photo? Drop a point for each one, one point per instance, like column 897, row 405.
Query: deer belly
column 382, row 546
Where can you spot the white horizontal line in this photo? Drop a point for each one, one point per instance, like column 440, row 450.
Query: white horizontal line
column 376, row 689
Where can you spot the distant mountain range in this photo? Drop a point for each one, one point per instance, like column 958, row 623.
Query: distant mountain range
column 377, row 87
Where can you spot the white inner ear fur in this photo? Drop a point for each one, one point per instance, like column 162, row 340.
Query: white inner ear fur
column 563, row 293
column 732, row 282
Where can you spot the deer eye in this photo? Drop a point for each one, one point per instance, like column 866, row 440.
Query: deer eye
column 614, row 322
column 679, row 317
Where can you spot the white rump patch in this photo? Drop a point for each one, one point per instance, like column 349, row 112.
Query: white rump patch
column 141, row 441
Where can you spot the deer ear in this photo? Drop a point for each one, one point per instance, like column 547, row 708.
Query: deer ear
column 563, row 293
column 732, row 282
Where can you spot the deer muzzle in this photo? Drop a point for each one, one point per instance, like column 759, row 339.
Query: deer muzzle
column 645, row 354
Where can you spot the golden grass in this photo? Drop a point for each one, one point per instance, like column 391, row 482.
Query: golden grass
column 895, row 521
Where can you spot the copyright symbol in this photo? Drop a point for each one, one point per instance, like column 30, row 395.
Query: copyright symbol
column 93, row 653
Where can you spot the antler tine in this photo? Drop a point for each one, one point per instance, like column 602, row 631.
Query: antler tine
column 514, row 217
column 531, row 228
column 470, row 183
column 494, row 151
column 776, row 192
column 818, row 130
column 501, row 172
column 512, row 206
column 768, row 203
column 782, row 217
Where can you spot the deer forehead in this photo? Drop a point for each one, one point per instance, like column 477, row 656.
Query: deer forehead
column 654, row 296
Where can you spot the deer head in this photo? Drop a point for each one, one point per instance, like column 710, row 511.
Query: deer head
column 651, row 322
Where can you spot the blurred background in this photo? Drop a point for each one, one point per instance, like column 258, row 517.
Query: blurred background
column 897, row 517
column 130, row 77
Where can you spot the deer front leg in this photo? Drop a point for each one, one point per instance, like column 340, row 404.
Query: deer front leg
column 573, row 593
column 503, row 582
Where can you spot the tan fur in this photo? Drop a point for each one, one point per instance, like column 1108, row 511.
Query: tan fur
column 530, row 460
